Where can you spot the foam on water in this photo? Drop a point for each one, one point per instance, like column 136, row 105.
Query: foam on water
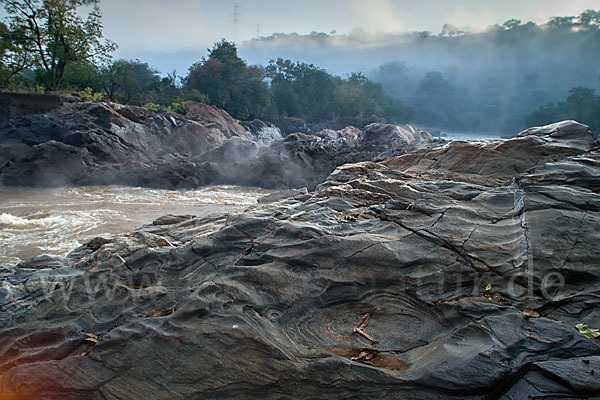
column 36, row 221
column 9, row 220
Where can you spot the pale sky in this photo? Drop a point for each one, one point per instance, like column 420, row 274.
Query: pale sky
column 177, row 32
column 144, row 28
column 176, row 24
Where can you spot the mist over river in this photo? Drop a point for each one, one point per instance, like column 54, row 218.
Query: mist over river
column 35, row 221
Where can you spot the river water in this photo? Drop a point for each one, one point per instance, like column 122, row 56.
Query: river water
column 36, row 221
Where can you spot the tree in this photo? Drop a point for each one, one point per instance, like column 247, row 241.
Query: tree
column 50, row 35
column 450, row 30
column 12, row 59
column 219, row 75
column 590, row 18
column 81, row 75
column 131, row 82
column 347, row 100
column 306, row 91
column 433, row 84
column 582, row 105
column 229, row 83
column 4, row 44
column 512, row 24
column 396, row 78
column 562, row 22
column 435, row 100
column 314, row 88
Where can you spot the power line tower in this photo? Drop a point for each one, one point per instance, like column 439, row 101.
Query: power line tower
column 236, row 20
column 257, row 31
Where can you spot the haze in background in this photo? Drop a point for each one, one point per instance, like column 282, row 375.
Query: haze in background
column 446, row 51
column 462, row 66
column 455, row 80
column 173, row 35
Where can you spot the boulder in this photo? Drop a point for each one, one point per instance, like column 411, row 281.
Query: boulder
column 388, row 136
column 130, row 145
column 217, row 117
column 301, row 160
column 494, row 161
column 47, row 164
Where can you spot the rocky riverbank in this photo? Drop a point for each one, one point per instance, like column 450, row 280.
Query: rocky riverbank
column 459, row 271
column 110, row 144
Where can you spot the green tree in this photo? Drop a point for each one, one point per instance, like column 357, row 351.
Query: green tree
column 590, row 18
column 12, row 59
column 131, row 82
column 562, row 22
column 306, row 91
column 432, row 100
column 314, row 89
column 347, row 100
column 396, row 78
column 512, row 24
column 4, row 44
column 582, row 105
column 50, row 35
column 229, row 83
column 81, row 75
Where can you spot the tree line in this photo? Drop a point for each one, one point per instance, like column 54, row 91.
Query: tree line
column 503, row 79
column 45, row 45
column 486, row 81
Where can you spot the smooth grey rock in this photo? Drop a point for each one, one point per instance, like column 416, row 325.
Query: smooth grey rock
column 579, row 373
column 492, row 162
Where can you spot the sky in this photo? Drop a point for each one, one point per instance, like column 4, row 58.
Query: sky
column 173, row 34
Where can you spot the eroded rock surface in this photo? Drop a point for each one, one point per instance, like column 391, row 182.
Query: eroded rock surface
column 389, row 281
column 105, row 143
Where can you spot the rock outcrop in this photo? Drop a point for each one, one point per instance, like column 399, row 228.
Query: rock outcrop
column 389, row 281
column 107, row 143
column 113, row 144
column 301, row 160
column 13, row 105
column 490, row 162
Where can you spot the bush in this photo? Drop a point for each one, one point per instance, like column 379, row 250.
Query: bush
column 178, row 107
column 152, row 107
column 195, row 95
column 89, row 95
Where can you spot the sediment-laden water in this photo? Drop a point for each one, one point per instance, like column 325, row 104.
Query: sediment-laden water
column 36, row 221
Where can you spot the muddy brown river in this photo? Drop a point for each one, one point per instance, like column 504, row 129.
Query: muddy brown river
column 36, row 221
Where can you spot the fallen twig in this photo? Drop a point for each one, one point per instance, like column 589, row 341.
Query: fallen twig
column 362, row 325
column 364, row 321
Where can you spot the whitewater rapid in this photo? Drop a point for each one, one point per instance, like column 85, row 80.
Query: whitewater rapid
column 35, row 221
